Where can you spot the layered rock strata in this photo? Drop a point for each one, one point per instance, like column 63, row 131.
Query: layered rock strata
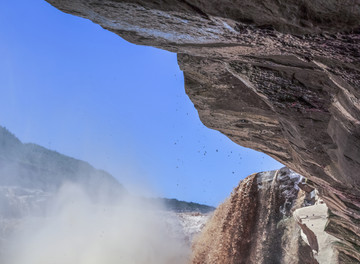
column 281, row 77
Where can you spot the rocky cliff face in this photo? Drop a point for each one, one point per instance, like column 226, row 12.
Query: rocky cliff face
column 281, row 77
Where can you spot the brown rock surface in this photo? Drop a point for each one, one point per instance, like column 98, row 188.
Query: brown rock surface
column 255, row 224
column 281, row 77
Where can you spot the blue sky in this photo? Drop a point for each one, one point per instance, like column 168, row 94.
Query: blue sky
column 69, row 85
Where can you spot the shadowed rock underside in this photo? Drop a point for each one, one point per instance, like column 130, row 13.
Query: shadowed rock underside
column 281, row 77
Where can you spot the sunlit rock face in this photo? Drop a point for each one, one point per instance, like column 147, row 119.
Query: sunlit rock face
column 281, row 77
column 255, row 225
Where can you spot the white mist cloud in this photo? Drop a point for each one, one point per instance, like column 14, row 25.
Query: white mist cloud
column 76, row 230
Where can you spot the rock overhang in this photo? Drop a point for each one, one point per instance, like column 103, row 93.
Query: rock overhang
column 279, row 77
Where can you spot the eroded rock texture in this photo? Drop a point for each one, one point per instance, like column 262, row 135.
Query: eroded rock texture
column 281, row 77
column 255, row 225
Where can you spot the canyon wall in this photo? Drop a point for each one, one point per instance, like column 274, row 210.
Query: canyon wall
column 281, row 77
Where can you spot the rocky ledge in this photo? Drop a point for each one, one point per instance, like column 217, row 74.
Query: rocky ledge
column 281, row 77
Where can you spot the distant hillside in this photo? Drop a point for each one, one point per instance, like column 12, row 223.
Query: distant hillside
column 35, row 167
column 31, row 175
column 182, row 207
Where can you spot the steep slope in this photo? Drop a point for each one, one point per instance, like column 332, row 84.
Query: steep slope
column 280, row 77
